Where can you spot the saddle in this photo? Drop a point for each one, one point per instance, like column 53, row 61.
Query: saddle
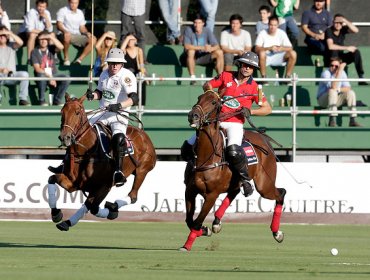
column 105, row 136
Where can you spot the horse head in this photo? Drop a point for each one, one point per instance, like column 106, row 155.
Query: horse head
column 73, row 120
column 205, row 111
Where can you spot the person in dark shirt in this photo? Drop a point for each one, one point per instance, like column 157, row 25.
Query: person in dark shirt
column 335, row 39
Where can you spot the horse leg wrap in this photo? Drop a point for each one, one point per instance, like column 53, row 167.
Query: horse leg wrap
column 78, row 215
column 222, row 209
column 123, row 202
column 275, row 224
column 191, row 238
column 102, row 213
column 52, row 199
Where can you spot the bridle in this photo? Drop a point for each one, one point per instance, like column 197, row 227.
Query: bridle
column 204, row 117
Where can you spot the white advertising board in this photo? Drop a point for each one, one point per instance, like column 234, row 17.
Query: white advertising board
column 311, row 188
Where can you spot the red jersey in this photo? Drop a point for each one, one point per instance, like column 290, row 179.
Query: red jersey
column 245, row 94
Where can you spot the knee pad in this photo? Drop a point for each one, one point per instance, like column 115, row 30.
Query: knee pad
column 235, row 154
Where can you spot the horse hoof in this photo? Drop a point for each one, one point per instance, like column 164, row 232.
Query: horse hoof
column 56, row 215
column 63, row 226
column 112, row 215
column 113, row 210
column 278, row 236
column 183, row 249
column 206, row 231
column 216, row 225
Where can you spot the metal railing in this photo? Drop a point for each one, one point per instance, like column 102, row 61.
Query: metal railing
column 293, row 110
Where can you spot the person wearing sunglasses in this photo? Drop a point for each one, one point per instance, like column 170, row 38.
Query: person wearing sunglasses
column 335, row 39
column 333, row 94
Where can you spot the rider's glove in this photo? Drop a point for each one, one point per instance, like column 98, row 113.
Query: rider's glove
column 114, row 107
column 246, row 112
column 90, row 94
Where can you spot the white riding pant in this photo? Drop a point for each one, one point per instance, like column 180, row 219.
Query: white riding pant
column 116, row 122
column 234, row 132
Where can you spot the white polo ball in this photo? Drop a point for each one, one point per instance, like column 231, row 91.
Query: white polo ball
column 334, row 251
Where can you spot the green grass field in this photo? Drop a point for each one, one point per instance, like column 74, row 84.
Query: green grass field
column 118, row 250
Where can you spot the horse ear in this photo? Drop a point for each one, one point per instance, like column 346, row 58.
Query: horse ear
column 67, row 97
column 82, row 98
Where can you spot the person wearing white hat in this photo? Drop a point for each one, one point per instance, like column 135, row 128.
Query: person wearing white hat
column 238, row 91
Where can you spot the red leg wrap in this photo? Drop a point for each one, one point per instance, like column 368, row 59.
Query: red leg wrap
column 191, row 238
column 275, row 224
column 222, row 209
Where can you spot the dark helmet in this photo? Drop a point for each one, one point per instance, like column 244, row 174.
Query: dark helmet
column 249, row 58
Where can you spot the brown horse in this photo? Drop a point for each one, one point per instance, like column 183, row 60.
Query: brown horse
column 89, row 169
column 211, row 176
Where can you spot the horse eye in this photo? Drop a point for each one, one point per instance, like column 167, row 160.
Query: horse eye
column 77, row 113
column 214, row 102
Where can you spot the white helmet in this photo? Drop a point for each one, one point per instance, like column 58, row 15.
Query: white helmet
column 116, row 55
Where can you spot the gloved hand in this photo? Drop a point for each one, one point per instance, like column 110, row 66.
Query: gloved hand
column 89, row 94
column 246, row 112
column 114, row 107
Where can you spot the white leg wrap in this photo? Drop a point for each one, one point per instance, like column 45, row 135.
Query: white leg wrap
column 78, row 215
column 123, row 202
column 52, row 199
column 102, row 213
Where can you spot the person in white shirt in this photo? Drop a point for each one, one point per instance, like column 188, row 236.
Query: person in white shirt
column 4, row 18
column 71, row 24
column 274, row 48
column 234, row 41
column 35, row 21
column 117, row 89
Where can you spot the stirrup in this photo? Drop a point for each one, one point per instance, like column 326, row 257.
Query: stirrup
column 247, row 188
column 119, row 179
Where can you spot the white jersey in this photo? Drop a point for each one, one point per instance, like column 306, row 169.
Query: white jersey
column 117, row 87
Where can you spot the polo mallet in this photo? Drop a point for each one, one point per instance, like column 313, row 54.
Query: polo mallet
column 92, row 46
column 260, row 95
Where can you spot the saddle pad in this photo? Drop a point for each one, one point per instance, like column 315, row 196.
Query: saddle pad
column 104, row 141
column 250, row 153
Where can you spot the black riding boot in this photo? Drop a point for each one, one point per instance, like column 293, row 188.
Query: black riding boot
column 187, row 153
column 119, row 148
column 235, row 155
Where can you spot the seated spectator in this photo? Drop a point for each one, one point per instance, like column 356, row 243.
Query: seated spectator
column 335, row 37
column 169, row 9
column 274, row 48
column 133, row 20
column 201, row 47
column 36, row 20
column 134, row 57
column 234, row 41
column 71, row 24
column 4, row 19
column 332, row 94
column 284, row 11
column 314, row 24
column 263, row 23
column 103, row 45
column 43, row 62
column 9, row 43
column 208, row 9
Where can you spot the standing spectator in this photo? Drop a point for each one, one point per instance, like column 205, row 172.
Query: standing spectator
column 71, row 24
column 133, row 20
column 201, row 47
column 314, row 24
column 43, row 62
column 208, row 9
column 335, row 37
column 134, row 57
column 36, row 20
column 169, row 10
column 263, row 23
column 274, row 48
column 4, row 19
column 103, row 45
column 284, row 11
column 332, row 94
column 234, row 41
column 9, row 43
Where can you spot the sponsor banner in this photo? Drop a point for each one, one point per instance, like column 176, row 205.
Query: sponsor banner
column 311, row 188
